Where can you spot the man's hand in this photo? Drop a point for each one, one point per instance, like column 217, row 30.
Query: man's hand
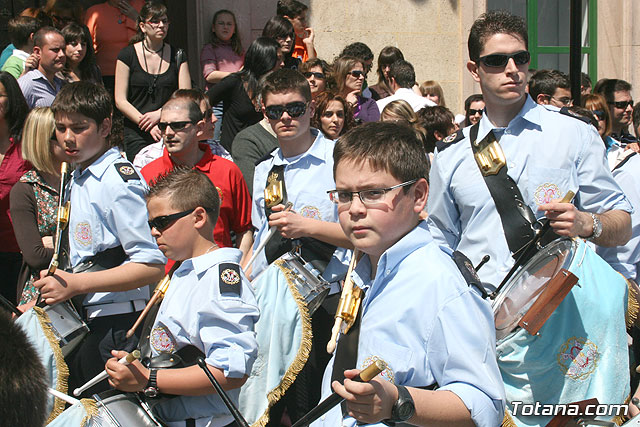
column 567, row 220
column 149, row 120
column 634, row 146
column 31, row 63
column 47, row 242
column 291, row 225
column 59, row 287
column 309, row 39
column 130, row 377
column 367, row 402
column 128, row 10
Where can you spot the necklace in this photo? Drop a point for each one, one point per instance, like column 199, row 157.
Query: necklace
column 152, row 87
column 214, row 246
column 144, row 46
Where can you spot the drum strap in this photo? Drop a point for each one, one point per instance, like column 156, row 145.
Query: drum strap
column 625, row 160
column 516, row 216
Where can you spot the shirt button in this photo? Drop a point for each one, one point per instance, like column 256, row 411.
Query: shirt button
column 507, row 132
column 388, row 272
column 512, row 165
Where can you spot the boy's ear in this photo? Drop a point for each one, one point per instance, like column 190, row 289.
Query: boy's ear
column 473, row 69
column 201, row 217
column 104, row 129
column 420, row 192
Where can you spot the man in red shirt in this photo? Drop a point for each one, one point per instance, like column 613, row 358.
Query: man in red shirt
column 181, row 125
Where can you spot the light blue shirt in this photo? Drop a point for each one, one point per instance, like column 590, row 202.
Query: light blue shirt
column 547, row 154
column 626, row 259
column 107, row 211
column 37, row 90
column 307, row 177
column 423, row 320
column 195, row 312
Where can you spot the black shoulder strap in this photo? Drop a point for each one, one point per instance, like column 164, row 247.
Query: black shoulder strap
column 625, row 160
column 515, row 215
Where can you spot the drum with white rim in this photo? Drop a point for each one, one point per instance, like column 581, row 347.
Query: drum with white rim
column 67, row 325
column 519, row 294
column 117, row 409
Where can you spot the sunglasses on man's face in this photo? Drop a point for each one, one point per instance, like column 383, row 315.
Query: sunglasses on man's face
column 357, row 73
column 496, row 60
column 473, row 112
column 294, row 109
column 163, row 222
column 622, row 104
column 175, row 126
column 318, row 76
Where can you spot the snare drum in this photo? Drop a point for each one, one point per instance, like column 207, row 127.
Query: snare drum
column 117, row 409
column 525, row 287
column 67, row 325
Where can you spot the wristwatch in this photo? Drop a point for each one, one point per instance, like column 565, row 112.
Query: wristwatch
column 403, row 408
column 151, row 390
column 597, row 227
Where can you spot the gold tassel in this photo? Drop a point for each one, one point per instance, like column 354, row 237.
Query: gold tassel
column 303, row 351
column 620, row 418
column 507, row 421
column 632, row 304
column 91, row 409
column 63, row 369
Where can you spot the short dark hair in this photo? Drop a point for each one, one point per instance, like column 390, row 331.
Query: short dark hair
column 546, row 82
column 403, row 73
column 585, row 80
column 86, row 98
column 290, row 8
column 491, row 23
column 17, row 108
column 193, row 108
column 357, row 50
column 20, row 28
column 434, row 119
column 187, row 189
column 197, row 96
column 40, row 35
column 636, row 116
column 608, row 88
column 286, row 80
column 393, row 148
column 23, row 389
column 278, row 27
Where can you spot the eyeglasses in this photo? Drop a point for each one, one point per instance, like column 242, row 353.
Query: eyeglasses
column 496, row 60
column 599, row 114
column 376, row 195
column 157, row 22
column 622, row 104
column 163, row 222
column 318, row 76
column 294, row 109
column 473, row 112
column 357, row 73
column 564, row 101
column 175, row 126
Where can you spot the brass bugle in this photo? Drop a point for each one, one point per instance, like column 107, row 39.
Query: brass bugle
column 158, row 294
column 347, row 307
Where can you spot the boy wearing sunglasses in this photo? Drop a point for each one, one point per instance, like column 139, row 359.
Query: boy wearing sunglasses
column 107, row 227
column 209, row 305
column 542, row 155
column 416, row 308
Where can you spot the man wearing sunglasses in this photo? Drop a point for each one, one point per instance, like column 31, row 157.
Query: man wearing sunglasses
column 541, row 156
column 182, row 125
column 618, row 95
column 402, row 77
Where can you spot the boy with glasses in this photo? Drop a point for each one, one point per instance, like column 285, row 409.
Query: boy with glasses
column 181, row 124
column 209, row 305
column 416, row 308
column 550, row 87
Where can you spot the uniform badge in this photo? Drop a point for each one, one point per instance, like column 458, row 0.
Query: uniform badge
column 126, row 171
column 546, row 193
column 450, row 138
column 220, row 194
column 578, row 358
column 230, row 279
column 82, row 233
column 162, row 340
column 387, row 374
column 311, row 212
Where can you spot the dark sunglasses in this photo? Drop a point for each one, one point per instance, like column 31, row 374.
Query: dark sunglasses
column 318, row 76
column 356, row 73
column 500, row 59
column 175, row 126
column 599, row 114
column 163, row 222
column 473, row 112
column 622, row 104
column 294, row 109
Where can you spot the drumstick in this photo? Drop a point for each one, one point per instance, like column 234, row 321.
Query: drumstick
column 266, row 239
column 70, row 400
column 130, row 357
column 223, row 395
column 158, row 294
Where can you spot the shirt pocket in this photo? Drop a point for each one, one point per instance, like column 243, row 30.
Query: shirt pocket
column 399, row 359
column 547, row 184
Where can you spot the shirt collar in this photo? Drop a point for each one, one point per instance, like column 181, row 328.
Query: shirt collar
column 319, row 149
column 203, row 165
column 202, row 263
column 529, row 112
column 99, row 167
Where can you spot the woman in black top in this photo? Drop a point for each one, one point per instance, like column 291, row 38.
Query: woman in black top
column 238, row 91
column 148, row 71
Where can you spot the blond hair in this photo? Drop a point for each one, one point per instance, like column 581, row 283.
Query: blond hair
column 36, row 136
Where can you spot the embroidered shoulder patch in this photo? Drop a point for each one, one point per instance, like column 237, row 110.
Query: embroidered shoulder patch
column 162, row 340
column 568, row 112
column 450, row 140
column 230, row 279
column 82, row 234
column 126, row 171
column 578, row 358
column 387, row 374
